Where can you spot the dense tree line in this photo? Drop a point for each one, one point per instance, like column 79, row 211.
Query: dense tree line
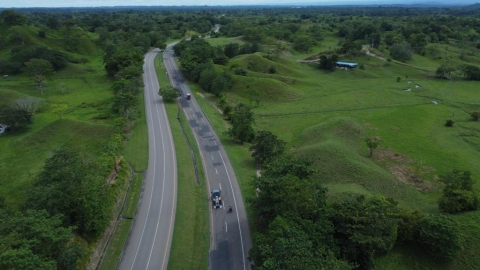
column 297, row 228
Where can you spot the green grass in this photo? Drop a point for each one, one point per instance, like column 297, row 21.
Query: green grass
column 119, row 239
column 327, row 116
column 222, row 41
column 190, row 242
column 116, row 245
column 136, row 149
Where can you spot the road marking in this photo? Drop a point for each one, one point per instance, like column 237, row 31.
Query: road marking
column 216, row 170
column 190, row 109
column 212, row 157
column 226, row 227
column 172, row 215
column 220, row 186
column 215, row 142
column 235, row 204
column 163, row 182
column 151, row 193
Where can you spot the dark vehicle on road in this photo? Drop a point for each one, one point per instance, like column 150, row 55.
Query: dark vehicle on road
column 188, row 97
column 216, row 199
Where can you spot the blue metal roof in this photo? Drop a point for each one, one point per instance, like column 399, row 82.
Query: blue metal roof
column 347, row 63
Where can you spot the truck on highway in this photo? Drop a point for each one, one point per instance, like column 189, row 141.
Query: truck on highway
column 216, row 199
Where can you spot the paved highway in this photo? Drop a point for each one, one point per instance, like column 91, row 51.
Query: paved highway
column 149, row 243
column 230, row 236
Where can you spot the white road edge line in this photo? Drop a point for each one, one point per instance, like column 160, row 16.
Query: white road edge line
column 234, row 200
column 151, row 193
column 163, row 179
column 235, row 203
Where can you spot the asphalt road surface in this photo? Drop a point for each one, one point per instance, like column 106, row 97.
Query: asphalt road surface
column 230, row 236
column 148, row 246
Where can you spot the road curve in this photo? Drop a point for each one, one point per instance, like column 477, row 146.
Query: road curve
column 229, row 232
column 148, row 245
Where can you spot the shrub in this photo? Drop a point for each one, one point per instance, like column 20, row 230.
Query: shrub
column 272, row 69
column 440, row 236
column 241, row 71
column 449, row 123
column 458, row 194
column 475, row 115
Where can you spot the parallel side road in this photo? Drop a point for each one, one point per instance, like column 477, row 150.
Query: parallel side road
column 149, row 243
column 230, row 236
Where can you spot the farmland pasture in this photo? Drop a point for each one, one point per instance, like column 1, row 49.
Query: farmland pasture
column 328, row 115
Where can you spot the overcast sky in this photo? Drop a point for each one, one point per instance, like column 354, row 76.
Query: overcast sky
column 101, row 3
column 96, row 3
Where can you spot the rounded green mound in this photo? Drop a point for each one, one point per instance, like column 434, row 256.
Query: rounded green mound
column 268, row 90
column 340, row 157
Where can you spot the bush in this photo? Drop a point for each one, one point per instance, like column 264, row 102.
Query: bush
column 449, row 123
column 241, row 71
column 458, row 194
column 475, row 115
column 169, row 94
column 440, row 236
column 401, row 51
column 272, row 69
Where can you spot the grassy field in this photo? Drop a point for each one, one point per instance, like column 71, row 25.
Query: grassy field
column 328, row 116
column 88, row 96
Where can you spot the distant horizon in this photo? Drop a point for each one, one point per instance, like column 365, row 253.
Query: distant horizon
column 216, row 3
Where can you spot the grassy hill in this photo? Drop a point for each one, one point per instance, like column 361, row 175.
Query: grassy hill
column 87, row 124
column 328, row 115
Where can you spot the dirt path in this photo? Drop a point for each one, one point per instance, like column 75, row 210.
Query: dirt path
column 366, row 48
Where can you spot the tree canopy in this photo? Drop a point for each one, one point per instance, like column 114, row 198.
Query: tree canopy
column 242, row 121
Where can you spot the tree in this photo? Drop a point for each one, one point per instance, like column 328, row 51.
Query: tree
column 69, row 187
column 59, row 109
column 328, row 63
column 471, row 72
column 303, row 43
column 221, row 84
column 231, row 50
column 440, row 236
column 288, row 164
column 401, row 51
column 288, row 245
column 15, row 119
column 40, row 70
column 126, row 105
column 29, row 104
column 445, row 72
column 350, row 47
column 122, row 58
column 266, row 146
column 169, row 93
column 34, row 240
column 12, row 17
column 242, row 121
column 458, row 194
column 365, row 227
column 372, row 144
